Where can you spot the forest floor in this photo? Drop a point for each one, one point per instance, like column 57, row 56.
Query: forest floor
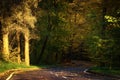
column 66, row 72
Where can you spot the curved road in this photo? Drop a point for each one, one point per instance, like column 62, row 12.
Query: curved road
column 59, row 73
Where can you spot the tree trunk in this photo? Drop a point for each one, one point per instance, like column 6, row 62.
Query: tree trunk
column 5, row 53
column 46, row 38
column 43, row 49
column 27, row 60
column 19, row 57
column 104, row 10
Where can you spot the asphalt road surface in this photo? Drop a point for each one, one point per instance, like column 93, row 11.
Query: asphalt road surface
column 59, row 73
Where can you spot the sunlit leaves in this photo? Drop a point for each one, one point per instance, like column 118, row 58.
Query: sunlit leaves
column 111, row 19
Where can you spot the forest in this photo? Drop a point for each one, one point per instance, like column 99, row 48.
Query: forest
column 58, row 31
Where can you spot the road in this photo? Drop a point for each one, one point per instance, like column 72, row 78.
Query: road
column 59, row 73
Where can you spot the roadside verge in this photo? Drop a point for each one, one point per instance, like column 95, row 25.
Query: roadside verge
column 117, row 77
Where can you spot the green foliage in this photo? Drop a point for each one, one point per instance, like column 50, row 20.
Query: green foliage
column 103, row 41
column 105, row 51
column 100, row 50
column 52, row 26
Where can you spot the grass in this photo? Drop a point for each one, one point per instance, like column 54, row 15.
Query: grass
column 4, row 66
column 9, row 65
column 105, row 70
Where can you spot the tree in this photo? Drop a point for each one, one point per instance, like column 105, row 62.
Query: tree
column 20, row 19
column 51, row 23
column 102, row 45
column 5, row 22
